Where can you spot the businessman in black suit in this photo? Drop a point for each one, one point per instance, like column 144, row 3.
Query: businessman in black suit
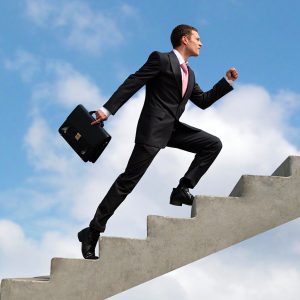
column 170, row 83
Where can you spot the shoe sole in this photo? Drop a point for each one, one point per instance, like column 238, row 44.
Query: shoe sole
column 179, row 202
column 175, row 202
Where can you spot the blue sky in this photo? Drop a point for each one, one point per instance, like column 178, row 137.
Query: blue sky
column 56, row 54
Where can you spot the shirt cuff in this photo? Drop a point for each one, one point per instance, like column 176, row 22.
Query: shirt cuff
column 229, row 81
column 105, row 111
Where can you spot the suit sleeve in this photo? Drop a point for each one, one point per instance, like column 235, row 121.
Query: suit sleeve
column 206, row 99
column 134, row 82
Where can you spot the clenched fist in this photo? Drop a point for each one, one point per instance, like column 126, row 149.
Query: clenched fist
column 232, row 74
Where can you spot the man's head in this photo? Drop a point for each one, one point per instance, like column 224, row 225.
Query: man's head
column 186, row 38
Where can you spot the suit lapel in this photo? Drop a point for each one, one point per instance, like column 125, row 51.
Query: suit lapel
column 176, row 69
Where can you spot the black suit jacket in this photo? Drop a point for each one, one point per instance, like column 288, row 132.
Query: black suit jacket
column 164, row 103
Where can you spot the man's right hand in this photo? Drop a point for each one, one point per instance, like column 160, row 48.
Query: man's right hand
column 100, row 116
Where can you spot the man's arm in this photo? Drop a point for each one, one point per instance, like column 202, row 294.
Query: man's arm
column 129, row 87
column 221, row 88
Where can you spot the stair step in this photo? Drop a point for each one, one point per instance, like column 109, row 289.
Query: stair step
column 257, row 186
column 167, row 228
column 290, row 167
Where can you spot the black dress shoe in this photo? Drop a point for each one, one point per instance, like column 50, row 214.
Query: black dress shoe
column 89, row 240
column 181, row 195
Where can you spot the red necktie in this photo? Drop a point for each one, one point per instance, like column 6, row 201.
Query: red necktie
column 185, row 77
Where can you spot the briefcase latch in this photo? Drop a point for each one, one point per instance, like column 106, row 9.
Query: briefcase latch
column 77, row 136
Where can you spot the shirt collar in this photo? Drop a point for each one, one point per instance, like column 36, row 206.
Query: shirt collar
column 179, row 57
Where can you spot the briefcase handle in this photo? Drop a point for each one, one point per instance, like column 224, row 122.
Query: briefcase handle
column 93, row 112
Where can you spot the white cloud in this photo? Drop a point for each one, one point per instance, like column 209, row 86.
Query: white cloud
column 65, row 87
column 223, row 276
column 71, row 87
column 22, row 256
column 63, row 84
column 77, row 24
column 25, row 63
column 288, row 99
column 217, row 279
column 128, row 10
column 43, row 157
column 39, row 10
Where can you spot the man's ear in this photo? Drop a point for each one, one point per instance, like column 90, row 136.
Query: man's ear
column 184, row 40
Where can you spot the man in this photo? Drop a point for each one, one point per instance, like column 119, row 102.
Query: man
column 170, row 83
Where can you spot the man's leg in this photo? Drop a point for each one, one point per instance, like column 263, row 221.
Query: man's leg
column 138, row 163
column 141, row 158
column 206, row 148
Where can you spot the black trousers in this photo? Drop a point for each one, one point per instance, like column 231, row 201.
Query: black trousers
column 205, row 146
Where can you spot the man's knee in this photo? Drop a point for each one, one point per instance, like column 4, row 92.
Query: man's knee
column 216, row 145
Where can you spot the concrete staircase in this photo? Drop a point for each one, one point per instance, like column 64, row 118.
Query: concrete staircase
column 256, row 204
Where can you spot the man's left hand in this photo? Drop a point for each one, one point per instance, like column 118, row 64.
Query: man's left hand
column 232, row 74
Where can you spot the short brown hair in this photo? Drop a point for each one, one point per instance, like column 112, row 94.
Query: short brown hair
column 178, row 32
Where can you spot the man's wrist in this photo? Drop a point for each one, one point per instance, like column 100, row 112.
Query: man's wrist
column 105, row 111
column 229, row 80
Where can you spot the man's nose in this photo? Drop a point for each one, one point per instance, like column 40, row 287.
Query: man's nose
column 200, row 44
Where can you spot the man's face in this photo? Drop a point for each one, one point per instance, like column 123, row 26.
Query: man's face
column 193, row 44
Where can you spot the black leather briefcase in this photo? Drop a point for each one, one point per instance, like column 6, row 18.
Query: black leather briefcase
column 87, row 140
